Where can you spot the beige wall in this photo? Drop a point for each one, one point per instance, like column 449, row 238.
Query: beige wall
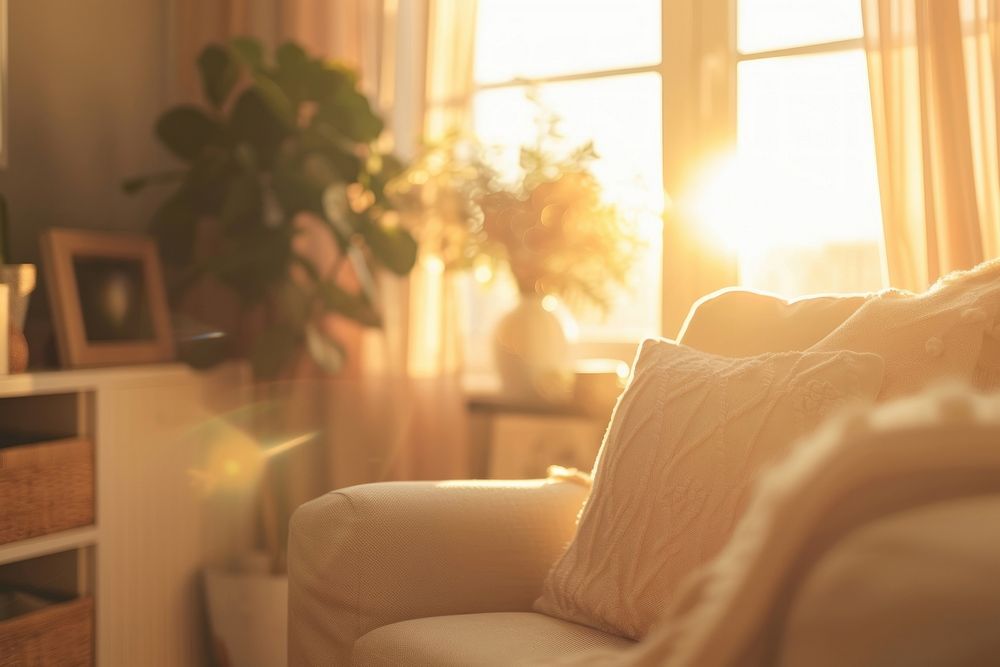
column 87, row 80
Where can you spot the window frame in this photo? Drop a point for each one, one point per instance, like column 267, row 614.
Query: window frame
column 622, row 347
column 699, row 60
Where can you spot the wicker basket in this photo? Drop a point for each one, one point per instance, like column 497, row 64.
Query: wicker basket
column 45, row 487
column 60, row 635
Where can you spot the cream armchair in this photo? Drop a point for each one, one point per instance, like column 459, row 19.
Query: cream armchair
column 364, row 558
column 444, row 574
column 877, row 545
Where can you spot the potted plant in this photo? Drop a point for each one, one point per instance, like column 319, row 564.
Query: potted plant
column 281, row 199
column 563, row 241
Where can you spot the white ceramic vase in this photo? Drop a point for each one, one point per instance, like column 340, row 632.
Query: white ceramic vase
column 532, row 350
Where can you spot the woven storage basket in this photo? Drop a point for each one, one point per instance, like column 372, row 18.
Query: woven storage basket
column 61, row 635
column 45, row 487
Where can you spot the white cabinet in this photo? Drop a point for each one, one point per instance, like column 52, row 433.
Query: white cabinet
column 160, row 518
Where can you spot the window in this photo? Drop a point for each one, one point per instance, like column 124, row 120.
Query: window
column 598, row 71
column 802, row 207
column 796, row 198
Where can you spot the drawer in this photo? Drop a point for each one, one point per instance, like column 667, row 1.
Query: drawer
column 57, row 635
column 45, row 487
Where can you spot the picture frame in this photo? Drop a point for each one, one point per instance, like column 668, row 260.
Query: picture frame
column 107, row 298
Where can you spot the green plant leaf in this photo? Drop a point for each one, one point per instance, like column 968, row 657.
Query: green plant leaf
column 324, row 141
column 296, row 193
column 273, row 349
column 175, row 227
column 248, row 51
column 219, row 73
column 292, row 72
column 187, row 131
column 381, row 171
column 328, row 353
column 394, row 247
column 244, row 157
column 350, row 114
column 291, row 56
column 252, row 262
column 390, row 167
column 355, row 307
column 242, row 204
column 324, row 170
column 278, row 102
column 325, row 80
column 207, row 179
column 309, row 79
column 262, row 118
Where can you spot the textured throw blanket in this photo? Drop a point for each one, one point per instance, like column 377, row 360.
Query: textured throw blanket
column 922, row 584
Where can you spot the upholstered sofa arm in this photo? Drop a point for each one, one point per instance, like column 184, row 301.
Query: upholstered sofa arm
column 375, row 554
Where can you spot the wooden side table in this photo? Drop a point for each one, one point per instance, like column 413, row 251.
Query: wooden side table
column 516, row 439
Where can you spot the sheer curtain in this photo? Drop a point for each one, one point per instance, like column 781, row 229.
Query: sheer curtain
column 415, row 363
column 934, row 71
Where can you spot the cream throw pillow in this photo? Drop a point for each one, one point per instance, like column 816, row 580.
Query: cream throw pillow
column 687, row 439
column 948, row 332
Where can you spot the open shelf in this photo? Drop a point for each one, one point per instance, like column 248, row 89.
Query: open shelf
column 48, row 544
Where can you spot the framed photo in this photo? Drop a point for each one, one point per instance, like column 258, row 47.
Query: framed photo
column 108, row 302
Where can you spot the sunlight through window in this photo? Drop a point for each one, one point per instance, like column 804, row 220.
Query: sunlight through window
column 799, row 202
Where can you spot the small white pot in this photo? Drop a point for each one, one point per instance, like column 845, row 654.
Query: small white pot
column 249, row 618
column 531, row 348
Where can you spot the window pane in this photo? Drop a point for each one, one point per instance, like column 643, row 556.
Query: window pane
column 763, row 25
column 805, row 213
column 622, row 116
column 540, row 38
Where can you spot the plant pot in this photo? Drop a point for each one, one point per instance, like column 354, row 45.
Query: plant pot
column 248, row 613
column 532, row 351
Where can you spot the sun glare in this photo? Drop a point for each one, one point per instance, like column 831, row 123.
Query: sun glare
column 801, row 181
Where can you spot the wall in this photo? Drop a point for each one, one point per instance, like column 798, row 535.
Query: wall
column 87, row 79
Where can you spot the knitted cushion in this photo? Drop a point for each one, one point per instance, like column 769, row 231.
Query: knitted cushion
column 925, row 338
column 687, row 438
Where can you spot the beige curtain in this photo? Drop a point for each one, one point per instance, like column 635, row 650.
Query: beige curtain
column 346, row 30
column 934, row 70
column 415, row 364
column 434, row 337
